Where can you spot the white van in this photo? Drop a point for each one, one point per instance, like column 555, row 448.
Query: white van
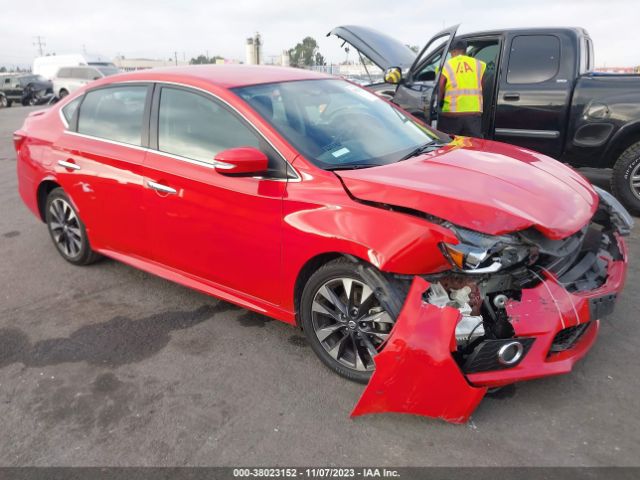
column 48, row 66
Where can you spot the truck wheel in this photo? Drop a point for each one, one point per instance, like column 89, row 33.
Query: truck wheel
column 625, row 181
column 63, row 93
column 9, row 103
column 4, row 103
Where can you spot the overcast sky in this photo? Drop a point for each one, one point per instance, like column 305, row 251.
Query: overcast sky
column 155, row 29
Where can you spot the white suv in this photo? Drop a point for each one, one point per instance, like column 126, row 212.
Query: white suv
column 69, row 79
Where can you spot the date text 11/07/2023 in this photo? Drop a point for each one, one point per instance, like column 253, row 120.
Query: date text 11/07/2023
column 332, row 472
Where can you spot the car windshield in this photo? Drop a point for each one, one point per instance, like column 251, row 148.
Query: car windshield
column 336, row 124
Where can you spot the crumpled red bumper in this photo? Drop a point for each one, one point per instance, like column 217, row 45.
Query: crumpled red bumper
column 417, row 374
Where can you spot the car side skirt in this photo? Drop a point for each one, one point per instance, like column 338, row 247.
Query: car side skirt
column 204, row 286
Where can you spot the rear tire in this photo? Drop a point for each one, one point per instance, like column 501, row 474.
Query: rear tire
column 67, row 230
column 4, row 103
column 625, row 181
column 347, row 311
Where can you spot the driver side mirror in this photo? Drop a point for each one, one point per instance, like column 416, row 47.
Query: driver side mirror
column 245, row 160
column 393, row 75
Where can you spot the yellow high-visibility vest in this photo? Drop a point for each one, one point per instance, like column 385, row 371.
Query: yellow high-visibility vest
column 463, row 91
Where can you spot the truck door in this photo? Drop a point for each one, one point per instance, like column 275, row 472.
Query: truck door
column 416, row 93
column 534, row 91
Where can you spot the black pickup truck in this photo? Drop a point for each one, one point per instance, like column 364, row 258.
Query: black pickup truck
column 540, row 92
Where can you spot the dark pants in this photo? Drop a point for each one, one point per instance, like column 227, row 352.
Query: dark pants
column 466, row 125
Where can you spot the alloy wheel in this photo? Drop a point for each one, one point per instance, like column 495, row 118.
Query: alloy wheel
column 65, row 228
column 350, row 323
column 634, row 181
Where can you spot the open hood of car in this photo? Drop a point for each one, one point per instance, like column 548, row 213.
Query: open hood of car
column 482, row 185
column 381, row 49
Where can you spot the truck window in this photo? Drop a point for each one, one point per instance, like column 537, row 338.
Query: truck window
column 487, row 54
column 590, row 60
column 430, row 67
column 533, row 59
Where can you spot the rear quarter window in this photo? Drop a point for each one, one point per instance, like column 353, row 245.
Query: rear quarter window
column 70, row 109
column 533, row 59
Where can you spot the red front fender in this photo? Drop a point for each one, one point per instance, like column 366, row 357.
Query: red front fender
column 415, row 373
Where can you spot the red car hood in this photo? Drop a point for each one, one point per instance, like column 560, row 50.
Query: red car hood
column 482, row 185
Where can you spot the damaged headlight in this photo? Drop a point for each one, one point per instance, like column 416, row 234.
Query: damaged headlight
column 480, row 253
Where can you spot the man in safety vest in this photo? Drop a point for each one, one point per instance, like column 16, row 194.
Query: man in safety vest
column 460, row 92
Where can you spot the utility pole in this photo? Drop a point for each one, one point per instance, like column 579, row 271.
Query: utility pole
column 40, row 44
column 175, row 57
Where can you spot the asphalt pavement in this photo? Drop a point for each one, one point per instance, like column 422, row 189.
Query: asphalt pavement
column 109, row 366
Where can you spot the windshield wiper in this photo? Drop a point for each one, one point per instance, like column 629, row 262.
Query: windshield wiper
column 422, row 149
column 353, row 166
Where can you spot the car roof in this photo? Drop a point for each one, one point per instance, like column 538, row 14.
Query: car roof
column 225, row 76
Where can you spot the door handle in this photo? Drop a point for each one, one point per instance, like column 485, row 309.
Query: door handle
column 511, row 97
column 158, row 187
column 69, row 165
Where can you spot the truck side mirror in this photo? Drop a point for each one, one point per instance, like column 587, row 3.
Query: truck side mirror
column 393, row 75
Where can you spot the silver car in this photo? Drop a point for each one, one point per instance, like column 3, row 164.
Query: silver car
column 69, row 79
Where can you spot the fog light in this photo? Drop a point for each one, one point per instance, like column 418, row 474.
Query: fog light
column 510, row 353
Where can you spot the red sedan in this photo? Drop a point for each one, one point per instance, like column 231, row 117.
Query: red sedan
column 446, row 265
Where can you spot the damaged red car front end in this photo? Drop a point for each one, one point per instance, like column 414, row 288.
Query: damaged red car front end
column 460, row 334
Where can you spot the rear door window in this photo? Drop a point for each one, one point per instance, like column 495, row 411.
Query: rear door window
column 533, row 59
column 114, row 113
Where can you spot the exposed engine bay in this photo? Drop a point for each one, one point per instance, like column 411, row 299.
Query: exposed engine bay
column 578, row 263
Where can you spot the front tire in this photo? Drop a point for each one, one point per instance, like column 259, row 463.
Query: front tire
column 625, row 181
column 4, row 103
column 67, row 230
column 63, row 93
column 347, row 311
